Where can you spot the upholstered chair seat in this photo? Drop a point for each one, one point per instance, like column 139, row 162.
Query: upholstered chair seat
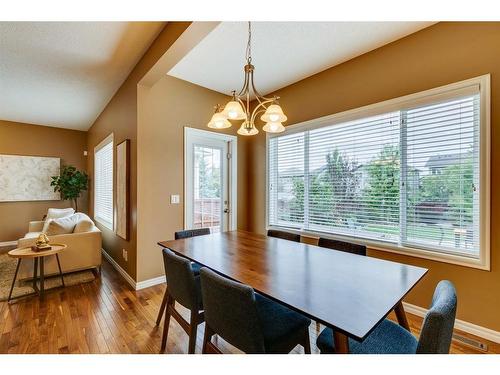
column 390, row 338
column 386, row 338
column 282, row 328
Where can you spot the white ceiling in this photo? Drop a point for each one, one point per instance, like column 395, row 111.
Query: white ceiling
column 63, row 74
column 282, row 52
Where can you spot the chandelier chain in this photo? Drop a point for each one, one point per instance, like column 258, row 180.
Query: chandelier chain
column 249, row 44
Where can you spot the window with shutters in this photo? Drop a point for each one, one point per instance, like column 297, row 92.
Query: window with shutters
column 408, row 175
column 103, row 182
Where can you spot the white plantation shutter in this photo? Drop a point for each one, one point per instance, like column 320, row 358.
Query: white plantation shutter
column 408, row 177
column 103, row 183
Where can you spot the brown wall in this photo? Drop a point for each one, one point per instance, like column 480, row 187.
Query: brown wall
column 439, row 55
column 120, row 117
column 164, row 110
column 34, row 140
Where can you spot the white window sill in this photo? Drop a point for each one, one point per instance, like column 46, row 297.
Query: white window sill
column 482, row 262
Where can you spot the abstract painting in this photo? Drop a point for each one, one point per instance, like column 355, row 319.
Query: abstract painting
column 27, row 178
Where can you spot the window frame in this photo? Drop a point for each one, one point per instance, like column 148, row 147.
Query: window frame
column 107, row 224
column 406, row 102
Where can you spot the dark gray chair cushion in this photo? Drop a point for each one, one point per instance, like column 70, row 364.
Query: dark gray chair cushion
column 386, row 338
column 191, row 233
column 182, row 284
column 283, row 235
column 346, row 247
column 249, row 321
column 390, row 338
column 282, row 328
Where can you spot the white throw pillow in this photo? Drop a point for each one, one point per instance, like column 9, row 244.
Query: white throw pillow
column 84, row 225
column 63, row 225
column 56, row 213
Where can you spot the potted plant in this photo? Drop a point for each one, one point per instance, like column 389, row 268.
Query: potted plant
column 70, row 184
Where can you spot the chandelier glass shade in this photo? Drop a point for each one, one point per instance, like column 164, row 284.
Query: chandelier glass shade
column 239, row 107
column 219, row 121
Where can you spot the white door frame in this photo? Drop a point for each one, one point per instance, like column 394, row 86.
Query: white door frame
column 233, row 171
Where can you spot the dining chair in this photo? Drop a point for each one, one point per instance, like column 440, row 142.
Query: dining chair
column 182, row 287
column 191, row 233
column 247, row 320
column 390, row 338
column 194, row 266
column 283, row 235
column 346, row 247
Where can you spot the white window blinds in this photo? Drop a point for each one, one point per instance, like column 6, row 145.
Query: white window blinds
column 409, row 177
column 103, row 183
column 442, row 176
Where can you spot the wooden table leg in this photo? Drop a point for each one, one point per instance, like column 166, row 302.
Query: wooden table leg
column 341, row 343
column 42, row 278
column 14, row 281
column 400, row 314
column 60, row 272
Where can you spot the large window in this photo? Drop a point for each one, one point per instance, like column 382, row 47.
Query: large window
column 409, row 174
column 103, row 182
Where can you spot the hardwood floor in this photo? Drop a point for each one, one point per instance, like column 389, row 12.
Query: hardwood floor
column 107, row 316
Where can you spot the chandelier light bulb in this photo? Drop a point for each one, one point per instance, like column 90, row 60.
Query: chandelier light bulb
column 219, row 121
column 274, row 127
column 246, row 130
column 234, row 111
column 273, row 113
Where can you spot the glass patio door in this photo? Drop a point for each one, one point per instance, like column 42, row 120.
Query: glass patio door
column 207, row 182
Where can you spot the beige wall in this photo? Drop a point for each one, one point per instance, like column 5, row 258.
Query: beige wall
column 120, row 118
column 24, row 139
column 164, row 110
column 439, row 55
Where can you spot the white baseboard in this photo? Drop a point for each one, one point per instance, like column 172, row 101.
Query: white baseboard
column 150, row 282
column 8, row 243
column 461, row 325
column 120, row 270
column 136, row 285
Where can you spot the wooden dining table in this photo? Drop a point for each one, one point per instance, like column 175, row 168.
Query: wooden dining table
column 349, row 293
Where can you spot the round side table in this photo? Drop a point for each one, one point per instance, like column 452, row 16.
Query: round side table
column 27, row 253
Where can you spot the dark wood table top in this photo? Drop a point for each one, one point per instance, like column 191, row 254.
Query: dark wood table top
column 350, row 293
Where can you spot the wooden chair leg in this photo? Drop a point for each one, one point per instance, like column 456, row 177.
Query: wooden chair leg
column 193, row 330
column 307, row 342
column 166, row 323
column 206, row 339
column 162, row 307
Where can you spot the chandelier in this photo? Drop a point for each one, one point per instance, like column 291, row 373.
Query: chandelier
column 239, row 106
